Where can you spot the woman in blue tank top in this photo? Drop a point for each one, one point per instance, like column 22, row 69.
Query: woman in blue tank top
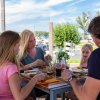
column 29, row 55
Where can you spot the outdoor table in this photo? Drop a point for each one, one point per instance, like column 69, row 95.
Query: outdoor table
column 54, row 91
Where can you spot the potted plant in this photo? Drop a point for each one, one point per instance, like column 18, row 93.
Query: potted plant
column 62, row 55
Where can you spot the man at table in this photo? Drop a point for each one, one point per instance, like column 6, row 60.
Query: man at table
column 91, row 88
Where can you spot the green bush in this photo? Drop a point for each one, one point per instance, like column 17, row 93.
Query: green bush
column 65, row 33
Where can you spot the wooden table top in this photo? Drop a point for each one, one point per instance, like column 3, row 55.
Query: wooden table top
column 46, row 84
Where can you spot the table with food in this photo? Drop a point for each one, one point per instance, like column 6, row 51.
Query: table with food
column 53, row 84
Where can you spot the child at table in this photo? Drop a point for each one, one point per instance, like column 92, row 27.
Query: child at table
column 86, row 52
column 10, row 88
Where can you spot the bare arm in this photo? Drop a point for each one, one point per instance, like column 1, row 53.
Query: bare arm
column 89, row 91
column 34, row 64
column 21, row 93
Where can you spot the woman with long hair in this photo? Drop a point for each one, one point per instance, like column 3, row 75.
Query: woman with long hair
column 9, row 78
column 86, row 52
column 29, row 55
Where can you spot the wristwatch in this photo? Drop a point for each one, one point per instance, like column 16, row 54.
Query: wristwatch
column 70, row 77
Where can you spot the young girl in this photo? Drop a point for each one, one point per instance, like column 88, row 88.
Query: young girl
column 86, row 52
column 9, row 79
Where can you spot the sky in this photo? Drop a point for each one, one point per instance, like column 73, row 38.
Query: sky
column 36, row 14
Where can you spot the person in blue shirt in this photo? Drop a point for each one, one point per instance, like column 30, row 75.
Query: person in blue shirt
column 31, row 56
column 91, row 88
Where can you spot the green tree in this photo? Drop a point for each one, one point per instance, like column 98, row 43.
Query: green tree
column 83, row 22
column 40, row 34
column 65, row 33
column 98, row 13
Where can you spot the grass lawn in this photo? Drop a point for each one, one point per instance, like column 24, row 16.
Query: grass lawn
column 74, row 61
column 81, row 43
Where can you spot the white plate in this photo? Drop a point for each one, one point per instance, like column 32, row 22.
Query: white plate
column 33, row 70
column 78, row 70
column 75, row 70
column 34, row 73
column 50, row 86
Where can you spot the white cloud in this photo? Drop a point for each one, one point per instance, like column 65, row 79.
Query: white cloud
column 29, row 5
column 97, row 9
column 54, row 2
column 30, row 9
column 75, row 2
column 54, row 13
column 71, row 10
column 25, row 10
column 97, row 4
column 67, row 16
column 69, row 19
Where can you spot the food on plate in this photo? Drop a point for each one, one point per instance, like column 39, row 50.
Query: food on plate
column 79, row 67
column 48, row 81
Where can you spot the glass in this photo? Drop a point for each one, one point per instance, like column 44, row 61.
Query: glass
column 50, row 69
column 60, row 65
column 58, row 69
column 58, row 72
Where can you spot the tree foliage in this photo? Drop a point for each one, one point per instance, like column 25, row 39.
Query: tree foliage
column 65, row 33
column 83, row 22
column 40, row 34
column 98, row 13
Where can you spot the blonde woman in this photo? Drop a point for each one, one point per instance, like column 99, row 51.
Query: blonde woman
column 9, row 79
column 29, row 55
column 86, row 52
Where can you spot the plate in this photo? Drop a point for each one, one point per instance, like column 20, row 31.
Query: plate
column 53, row 85
column 48, row 81
column 31, row 74
column 33, row 70
column 75, row 70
